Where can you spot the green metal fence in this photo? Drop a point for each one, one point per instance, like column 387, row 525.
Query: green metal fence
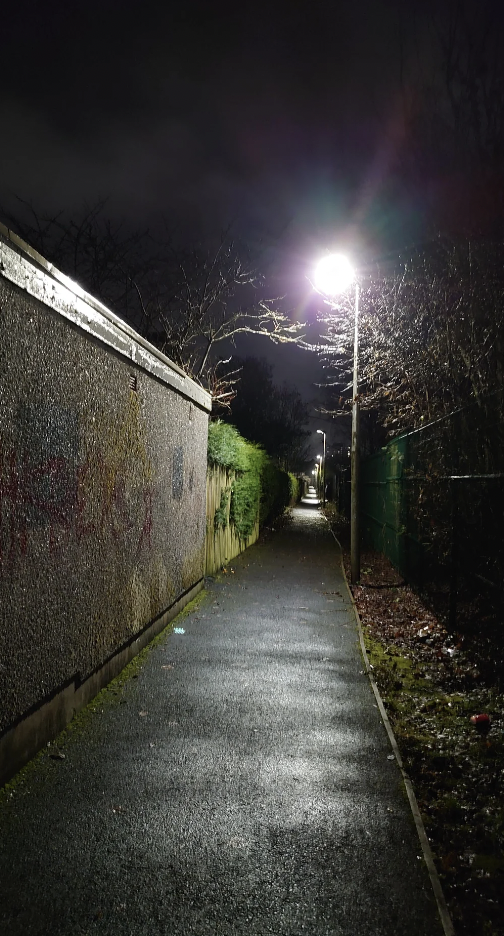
column 432, row 501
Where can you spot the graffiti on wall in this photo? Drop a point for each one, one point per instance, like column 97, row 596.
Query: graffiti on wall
column 67, row 476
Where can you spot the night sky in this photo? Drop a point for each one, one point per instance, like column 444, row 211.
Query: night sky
column 281, row 119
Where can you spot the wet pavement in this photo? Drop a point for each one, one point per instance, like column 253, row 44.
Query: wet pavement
column 242, row 785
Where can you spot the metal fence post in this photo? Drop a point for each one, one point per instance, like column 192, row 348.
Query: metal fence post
column 454, row 553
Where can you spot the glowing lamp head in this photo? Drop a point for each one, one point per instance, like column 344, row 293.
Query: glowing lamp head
column 333, row 274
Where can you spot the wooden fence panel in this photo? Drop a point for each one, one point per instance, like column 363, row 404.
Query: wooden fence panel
column 222, row 542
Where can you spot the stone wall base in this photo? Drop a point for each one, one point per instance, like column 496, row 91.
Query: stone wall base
column 21, row 742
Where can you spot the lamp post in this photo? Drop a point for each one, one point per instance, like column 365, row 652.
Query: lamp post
column 333, row 275
column 322, row 433
column 319, row 474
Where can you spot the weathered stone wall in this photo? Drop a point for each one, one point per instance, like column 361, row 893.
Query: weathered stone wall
column 102, row 485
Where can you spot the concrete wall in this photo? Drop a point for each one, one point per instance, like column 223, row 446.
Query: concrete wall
column 102, row 497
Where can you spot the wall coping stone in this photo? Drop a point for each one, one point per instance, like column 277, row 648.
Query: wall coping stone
column 30, row 271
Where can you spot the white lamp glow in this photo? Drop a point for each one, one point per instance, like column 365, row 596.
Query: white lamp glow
column 333, row 274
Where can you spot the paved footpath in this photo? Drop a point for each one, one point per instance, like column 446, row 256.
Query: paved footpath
column 240, row 786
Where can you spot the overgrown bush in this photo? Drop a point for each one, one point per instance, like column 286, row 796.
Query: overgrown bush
column 226, row 447
column 279, row 489
column 221, row 514
column 246, row 492
column 260, row 490
column 294, row 488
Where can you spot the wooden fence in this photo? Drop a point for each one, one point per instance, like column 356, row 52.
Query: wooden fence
column 222, row 542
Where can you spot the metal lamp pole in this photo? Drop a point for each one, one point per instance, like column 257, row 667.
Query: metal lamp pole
column 355, row 456
column 333, row 274
column 321, row 432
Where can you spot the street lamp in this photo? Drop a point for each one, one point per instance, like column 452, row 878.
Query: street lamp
column 333, row 274
column 321, row 432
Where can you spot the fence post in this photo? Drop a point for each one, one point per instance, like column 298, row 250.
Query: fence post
column 454, row 553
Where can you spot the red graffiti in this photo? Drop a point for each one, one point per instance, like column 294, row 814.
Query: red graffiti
column 85, row 501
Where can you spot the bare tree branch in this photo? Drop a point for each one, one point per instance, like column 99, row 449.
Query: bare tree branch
column 184, row 300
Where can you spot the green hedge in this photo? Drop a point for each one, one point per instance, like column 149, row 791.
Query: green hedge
column 260, row 489
column 226, row 447
column 294, row 489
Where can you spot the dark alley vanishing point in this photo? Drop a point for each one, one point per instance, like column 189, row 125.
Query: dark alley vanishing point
column 243, row 783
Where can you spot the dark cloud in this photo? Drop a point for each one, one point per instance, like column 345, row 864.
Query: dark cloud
column 198, row 109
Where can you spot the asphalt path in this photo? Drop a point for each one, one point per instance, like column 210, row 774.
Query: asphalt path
column 242, row 785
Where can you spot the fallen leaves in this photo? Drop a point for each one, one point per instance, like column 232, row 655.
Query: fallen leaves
column 449, row 726
column 481, row 723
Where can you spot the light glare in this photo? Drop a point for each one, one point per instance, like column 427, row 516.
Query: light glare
column 333, row 274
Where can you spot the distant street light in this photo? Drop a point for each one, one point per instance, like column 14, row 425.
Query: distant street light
column 333, row 275
column 321, row 432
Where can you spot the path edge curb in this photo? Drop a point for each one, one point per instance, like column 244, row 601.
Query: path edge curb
column 444, row 913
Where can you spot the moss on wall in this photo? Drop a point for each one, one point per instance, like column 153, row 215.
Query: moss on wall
column 102, row 517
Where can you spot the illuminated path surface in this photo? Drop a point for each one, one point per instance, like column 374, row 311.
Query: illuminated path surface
column 243, row 787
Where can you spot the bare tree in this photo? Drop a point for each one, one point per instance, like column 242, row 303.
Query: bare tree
column 453, row 115
column 432, row 335
column 206, row 298
column 275, row 417
column 111, row 263
column 186, row 301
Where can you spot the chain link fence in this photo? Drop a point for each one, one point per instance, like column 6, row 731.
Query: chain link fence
column 432, row 501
